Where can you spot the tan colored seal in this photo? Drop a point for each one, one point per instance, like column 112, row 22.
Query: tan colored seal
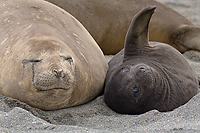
column 108, row 21
column 48, row 59
column 146, row 76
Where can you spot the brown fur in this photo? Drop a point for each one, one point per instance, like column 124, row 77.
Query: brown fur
column 146, row 76
column 108, row 21
column 48, row 59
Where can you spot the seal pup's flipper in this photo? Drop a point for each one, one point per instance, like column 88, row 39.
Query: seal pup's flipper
column 137, row 36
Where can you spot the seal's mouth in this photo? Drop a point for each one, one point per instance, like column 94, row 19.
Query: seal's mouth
column 40, row 90
column 45, row 88
column 48, row 81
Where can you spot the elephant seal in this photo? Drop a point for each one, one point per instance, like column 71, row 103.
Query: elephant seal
column 111, row 18
column 48, row 59
column 146, row 76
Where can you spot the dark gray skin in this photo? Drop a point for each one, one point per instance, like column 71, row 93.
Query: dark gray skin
column 147, row 75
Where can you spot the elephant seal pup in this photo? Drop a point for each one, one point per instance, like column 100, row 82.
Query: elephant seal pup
column 48, row 59
column 111, row 18
column 146, row 76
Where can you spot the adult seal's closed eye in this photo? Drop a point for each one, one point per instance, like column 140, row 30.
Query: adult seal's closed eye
column 48, row 59
column 147, row 75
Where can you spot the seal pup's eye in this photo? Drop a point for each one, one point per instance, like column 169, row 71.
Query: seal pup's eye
column 68, row 58
column 126, row 70
column 136, row 90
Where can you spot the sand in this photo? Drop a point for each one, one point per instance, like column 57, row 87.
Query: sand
column 95, row 116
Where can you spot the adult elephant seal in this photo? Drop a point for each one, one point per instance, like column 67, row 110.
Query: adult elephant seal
column 48, row 59
column 146, row 76
column 108, row 22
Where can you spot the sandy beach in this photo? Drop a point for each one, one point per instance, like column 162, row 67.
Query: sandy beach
column 95, row 116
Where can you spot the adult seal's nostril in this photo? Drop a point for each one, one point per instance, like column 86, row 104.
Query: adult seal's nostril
column 58, row 73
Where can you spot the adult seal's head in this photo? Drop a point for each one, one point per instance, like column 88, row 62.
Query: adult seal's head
column 146, row 76
column 48, row 59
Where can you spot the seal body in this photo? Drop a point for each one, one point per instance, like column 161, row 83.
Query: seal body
column 111, row 18
column 146, row 76
column 48, row 59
